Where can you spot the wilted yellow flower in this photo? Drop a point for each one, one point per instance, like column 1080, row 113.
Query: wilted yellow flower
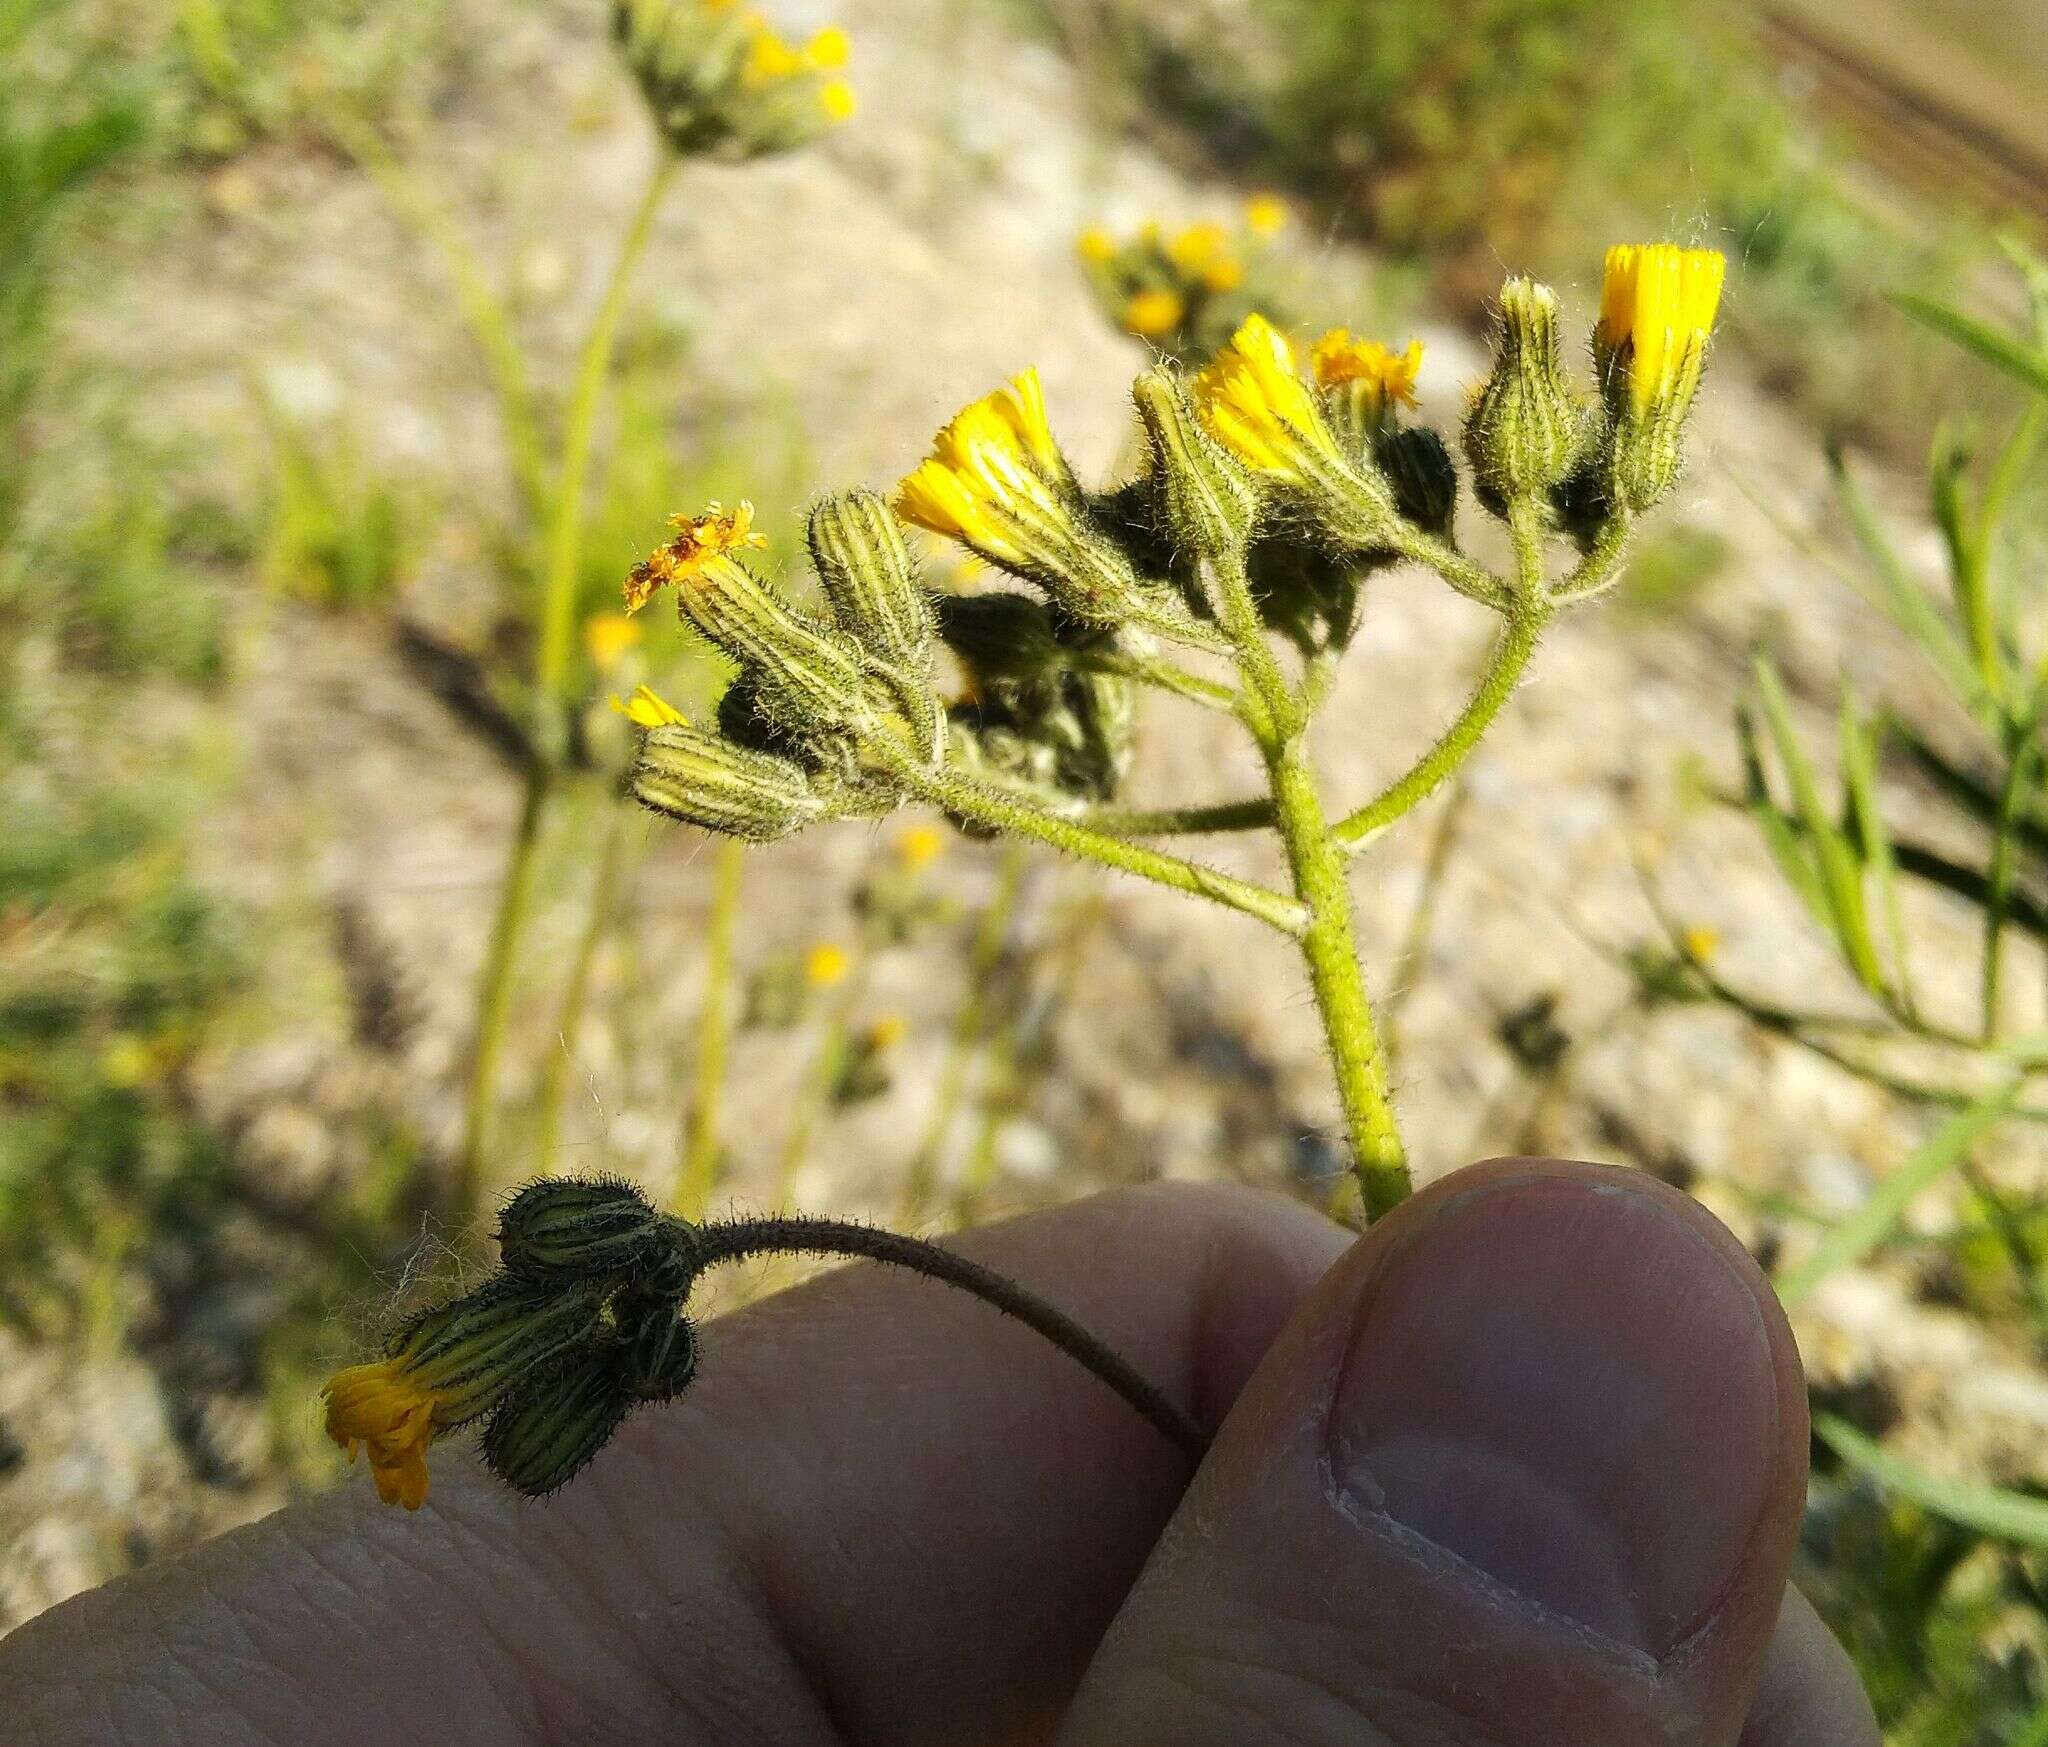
column 919, row 846
column 836, row 97
column 1150, row 314
column 1095, row 245
column 1659, row 300
column 606, row 637
column 649, row 709
column 384, row 1409
column 826, row 964
column 1266, row 215
column 699, row 540
column 1255, row 403
column 1338, row 359
column 994, row 463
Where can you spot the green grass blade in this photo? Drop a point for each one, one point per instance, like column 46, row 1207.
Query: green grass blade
column 1780, row 836
column 1863, row 1230
column 2024, row 363
column 1873, row 838
column 1991, row 1510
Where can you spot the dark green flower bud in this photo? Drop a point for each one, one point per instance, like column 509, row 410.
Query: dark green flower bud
column 1423, row 475
column 1527, row 427
column 867, row 574
column 660, row 1353
column 561, row 1228
column 546, row 1432
column 708, row 781
column 1210, row 503
column 468, row 1353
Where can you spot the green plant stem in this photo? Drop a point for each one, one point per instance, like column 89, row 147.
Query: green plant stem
column 1511, row 652
column 1600, row 568
column 1527, row 519
column 1474, row 581
column 494, row 988
column 991, row 934
column 732, row 1240
column 1316, row 860
column 2020, row 777
column 1255, row 814
column 593, row 372
column 982, row 805
column 554, row 1086
column 1164, row 676
column 699, row 1173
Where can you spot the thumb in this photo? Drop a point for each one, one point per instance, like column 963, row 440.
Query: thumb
column 1525, row 1467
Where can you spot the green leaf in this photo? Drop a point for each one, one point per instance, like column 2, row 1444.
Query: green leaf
column 2024, row 363
column 1862, row 1231
column 1991, row 1510
column 1781, row 837
column 1872, row 838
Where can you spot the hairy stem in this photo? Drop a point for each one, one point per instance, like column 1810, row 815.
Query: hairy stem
column 732, row 1240
column 494, row 987
column 1163, row 676
column 1504, row 669
column 699, row 1173
column 1255, row 814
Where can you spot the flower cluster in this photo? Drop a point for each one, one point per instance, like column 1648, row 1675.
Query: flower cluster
column 1296, row 469
column 1184, row 291
column 721, row 83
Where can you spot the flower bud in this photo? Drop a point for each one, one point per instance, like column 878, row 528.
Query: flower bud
column 999, row 635
column 868, row 577
column 660, row 1353
column 1210, row 503
column 1657, row 310
column 1423, row 475
column 707, row 781
column 1526, row 426
column 562, row 1228
column 543, row 1435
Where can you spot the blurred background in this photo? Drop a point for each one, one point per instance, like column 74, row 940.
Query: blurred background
column 292, row 300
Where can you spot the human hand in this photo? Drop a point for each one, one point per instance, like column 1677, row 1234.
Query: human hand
column 1523, row 1468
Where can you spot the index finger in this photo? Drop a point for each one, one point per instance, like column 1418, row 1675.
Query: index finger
column 881, row 1512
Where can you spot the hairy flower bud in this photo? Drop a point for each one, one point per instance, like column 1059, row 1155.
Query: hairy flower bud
column 708, row 781
column 867, row 574
column 1210, row 502
column 1423, row 475
column 1657, row 310
column 999, row 635
column 544, row 1435
column 564, row 1228
column 660, row 1352
column 1526, row 427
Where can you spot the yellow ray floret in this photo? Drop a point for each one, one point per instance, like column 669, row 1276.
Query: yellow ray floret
column 698, row 542
column 994, row 465
column 1660, row 301
column 385, row 1410
column 1339, row 360
column 647, row 708
column 1152, row 314
column 1255, row 403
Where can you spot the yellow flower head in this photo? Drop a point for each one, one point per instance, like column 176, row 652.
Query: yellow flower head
column 769, row 60
column 827, row 52
column 1224, row 273
column 994, row 464
column 1095, row 245
column 1338, row 360
column 1700, row 943
column 647, row 708
column 1659, row 301
column 920, row 846
column 1153, row 314
column 1266, row 215
column 1194, row 248
column 606, row 637
column 836, row 97
column 1255, row 403
column 699, row 541
column 826, row 964
column 387, row 1411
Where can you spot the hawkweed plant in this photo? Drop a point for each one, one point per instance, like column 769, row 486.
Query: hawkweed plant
column 1273, row 486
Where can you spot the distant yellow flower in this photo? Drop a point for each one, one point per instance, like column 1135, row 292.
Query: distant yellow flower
column 1266, row 215
column 127, row 1062
column 649, row 709
column 1255, row 403
column 919, row 846
column 1700, row 943
column 606, row 637
column 994, row 465
column 887, row 1032
column 1151, row 314
column 827, row 52
column 699, row 541
column 826, row 964
column 388, row 1411
column 1225, row 273
column 1194, row 248
column 1095, row 245
column 1337, row 358
column 1659, row 301
column 769, row 60
column 836, row 97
